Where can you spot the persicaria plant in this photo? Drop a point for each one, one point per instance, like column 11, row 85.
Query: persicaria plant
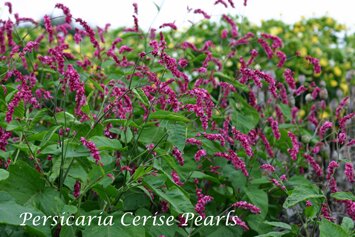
column 211, row 126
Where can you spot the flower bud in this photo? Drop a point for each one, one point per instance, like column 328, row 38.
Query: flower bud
column 302, row 79
column 309, row 97
column 323, row 94
column 306, row 138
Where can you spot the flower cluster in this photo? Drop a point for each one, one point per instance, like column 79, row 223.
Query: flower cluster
column 92, row 148
column 247, row 206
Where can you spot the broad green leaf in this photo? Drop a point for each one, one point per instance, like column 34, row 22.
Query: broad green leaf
column 12, row 213
column 174, row 196
column 167, row 115
column 278, row 224
column 285, row 109
column 232, row 81
column 259, row 198
column 96, row 85
column 49, row 202
column 328, row 228
column 244, row 116
column 113, row 231
column 141, row 96
column 302, row 193
column 67, row 231
column 176, row 134
column 49, row 135
column 66, row 118
column 221, row 231
column 10, row 95
column 203, row 176
column 104, row 143
column 135, row 199
column 347, row 224
column 151, row 134
column 273, row 234
column 4, row 174
column 122, row 122
column 126, row 135
column 141, row 171
column 71, row 150
column 24, row 182
column 19, row 111
column 343, row 196
column 15, row 125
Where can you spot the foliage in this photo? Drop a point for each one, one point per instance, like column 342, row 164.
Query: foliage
column 203, row 121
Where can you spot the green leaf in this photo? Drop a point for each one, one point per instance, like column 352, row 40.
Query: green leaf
column 176, row 134
column 4, row 174
column 302, row 193
column 10, row 213
column 273, row 234
column 177, row 199
column 141, row 171
column 71, row 150
column 126, row 135
column 259, row 198
column 343, row 196
column 15, row 125
column 244, row 117
column 285, row 109
column 49, row 135
column 151, row 135
column 49, row 202
column 97, row 85
column 221, row 230
column 167, row 115
column 67, row 231
column 328, row 228
column 19, row 111
column 24, row 182
column 113, row 231
column 123, row 122
column 104, row 143
column 203, row 176
column 66, row 118
column 232, row 81
column 278, row 224
column 347, row 224
column 10, row 95
column 135, row 199
column 141, row 96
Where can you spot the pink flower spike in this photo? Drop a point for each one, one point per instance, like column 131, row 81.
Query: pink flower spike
column 199, row 154
column 240, row 223
column 176, row 178
column 275, row 128
column 315, row 63
column 171, row 25
column 8, row 4
column 178, row 155
column 205, row 15
column 77, row 187
column 324, row 128
column 314, row 164
column 247, row 206
column 92, row 148
column 221, row 2
column 135, row 6
column 268, row 167
column 349, row 172
column 331, row 168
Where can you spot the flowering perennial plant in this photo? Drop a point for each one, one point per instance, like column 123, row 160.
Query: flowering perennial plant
column 176, row 122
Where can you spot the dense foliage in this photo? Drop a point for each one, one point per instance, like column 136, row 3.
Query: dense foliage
column 222, row 116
